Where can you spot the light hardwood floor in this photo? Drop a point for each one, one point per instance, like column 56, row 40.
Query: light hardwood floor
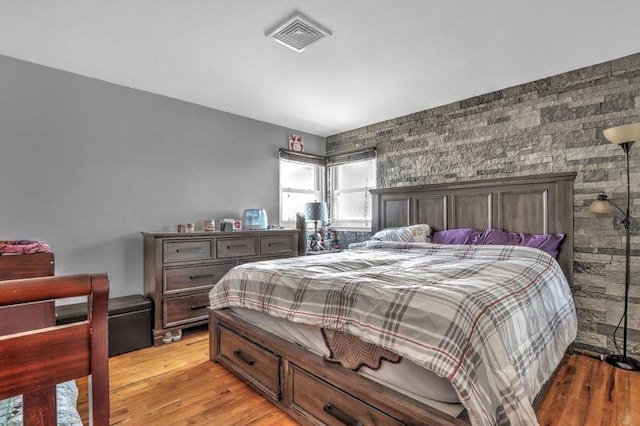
column 175, row 384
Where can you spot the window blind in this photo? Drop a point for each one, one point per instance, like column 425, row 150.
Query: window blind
column 351, row 157
column 300, row 157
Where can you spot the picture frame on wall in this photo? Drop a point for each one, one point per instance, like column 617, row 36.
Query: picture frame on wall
column 296, row 143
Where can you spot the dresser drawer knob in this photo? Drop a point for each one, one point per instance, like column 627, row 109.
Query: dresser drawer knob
column 248, row 360
column 197, row 277
column 279, row 243
column 196, row 307
column 340, row 415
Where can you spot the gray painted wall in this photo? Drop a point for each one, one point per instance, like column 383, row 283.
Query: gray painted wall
column 551, row 125
column 86, row 165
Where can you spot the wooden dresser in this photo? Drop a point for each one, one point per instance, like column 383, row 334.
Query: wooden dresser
column 180, row 269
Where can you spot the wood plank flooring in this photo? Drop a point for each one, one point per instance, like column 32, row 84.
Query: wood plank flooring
column 587, row 391
column 175, row 384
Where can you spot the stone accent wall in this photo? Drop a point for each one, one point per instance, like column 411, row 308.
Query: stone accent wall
column 547, row 126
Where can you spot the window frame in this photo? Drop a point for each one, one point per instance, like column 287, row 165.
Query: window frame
column 332, row 164
column 319, row 191
column 325, row 189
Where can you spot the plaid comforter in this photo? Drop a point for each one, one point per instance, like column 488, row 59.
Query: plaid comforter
column 495, row 320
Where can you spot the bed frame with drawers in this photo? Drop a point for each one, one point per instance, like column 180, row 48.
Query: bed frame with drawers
column 314, row 391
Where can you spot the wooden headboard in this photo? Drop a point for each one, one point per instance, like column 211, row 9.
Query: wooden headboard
column 531, row 204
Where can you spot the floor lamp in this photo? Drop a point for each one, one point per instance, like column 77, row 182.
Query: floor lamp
column 624, row 136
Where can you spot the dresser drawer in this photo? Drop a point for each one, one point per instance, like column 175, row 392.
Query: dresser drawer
column 278, row 244
column 331, row 406
column 253, row 362
column 186, row 278
column 177, row 251
column 184, row 309
column 237, row 247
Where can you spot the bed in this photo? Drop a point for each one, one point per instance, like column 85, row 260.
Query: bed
column 494, row 389
column 40, row 360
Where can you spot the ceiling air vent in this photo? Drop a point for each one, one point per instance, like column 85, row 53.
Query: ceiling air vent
column 297, row 32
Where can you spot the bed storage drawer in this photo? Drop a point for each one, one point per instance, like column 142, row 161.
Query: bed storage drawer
column 316, row 399
column 185, row 278
column 179, row 251
column 185, row 309
column 237, row 247
column 253, row 362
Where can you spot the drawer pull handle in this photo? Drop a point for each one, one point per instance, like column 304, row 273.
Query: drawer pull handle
column 196, row 277
column 243, row 357
column 279, row 243
column 189, row 250
column 340, row 415
column 236, row 246
column 195, row 307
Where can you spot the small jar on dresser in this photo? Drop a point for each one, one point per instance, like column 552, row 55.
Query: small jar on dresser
column 181, row 268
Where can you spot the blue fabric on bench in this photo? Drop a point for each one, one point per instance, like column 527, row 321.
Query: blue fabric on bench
column 66, row 397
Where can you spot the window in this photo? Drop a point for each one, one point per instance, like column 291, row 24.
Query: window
column 352, row 175
column 301, row 181
column 351, row 179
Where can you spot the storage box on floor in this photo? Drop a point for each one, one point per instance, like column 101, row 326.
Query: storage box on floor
column 129, row 322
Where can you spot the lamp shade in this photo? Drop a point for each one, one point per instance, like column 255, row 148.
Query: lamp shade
column 316, row 211
column 600, row 206
column 622, row 134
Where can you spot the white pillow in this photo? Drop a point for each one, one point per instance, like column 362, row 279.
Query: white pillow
column 409, row 234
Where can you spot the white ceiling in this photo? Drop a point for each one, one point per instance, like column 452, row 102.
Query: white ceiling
column 385, row 58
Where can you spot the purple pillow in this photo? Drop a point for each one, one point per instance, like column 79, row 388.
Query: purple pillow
column 456, row 236
column 496, row 237
column 549, row 243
